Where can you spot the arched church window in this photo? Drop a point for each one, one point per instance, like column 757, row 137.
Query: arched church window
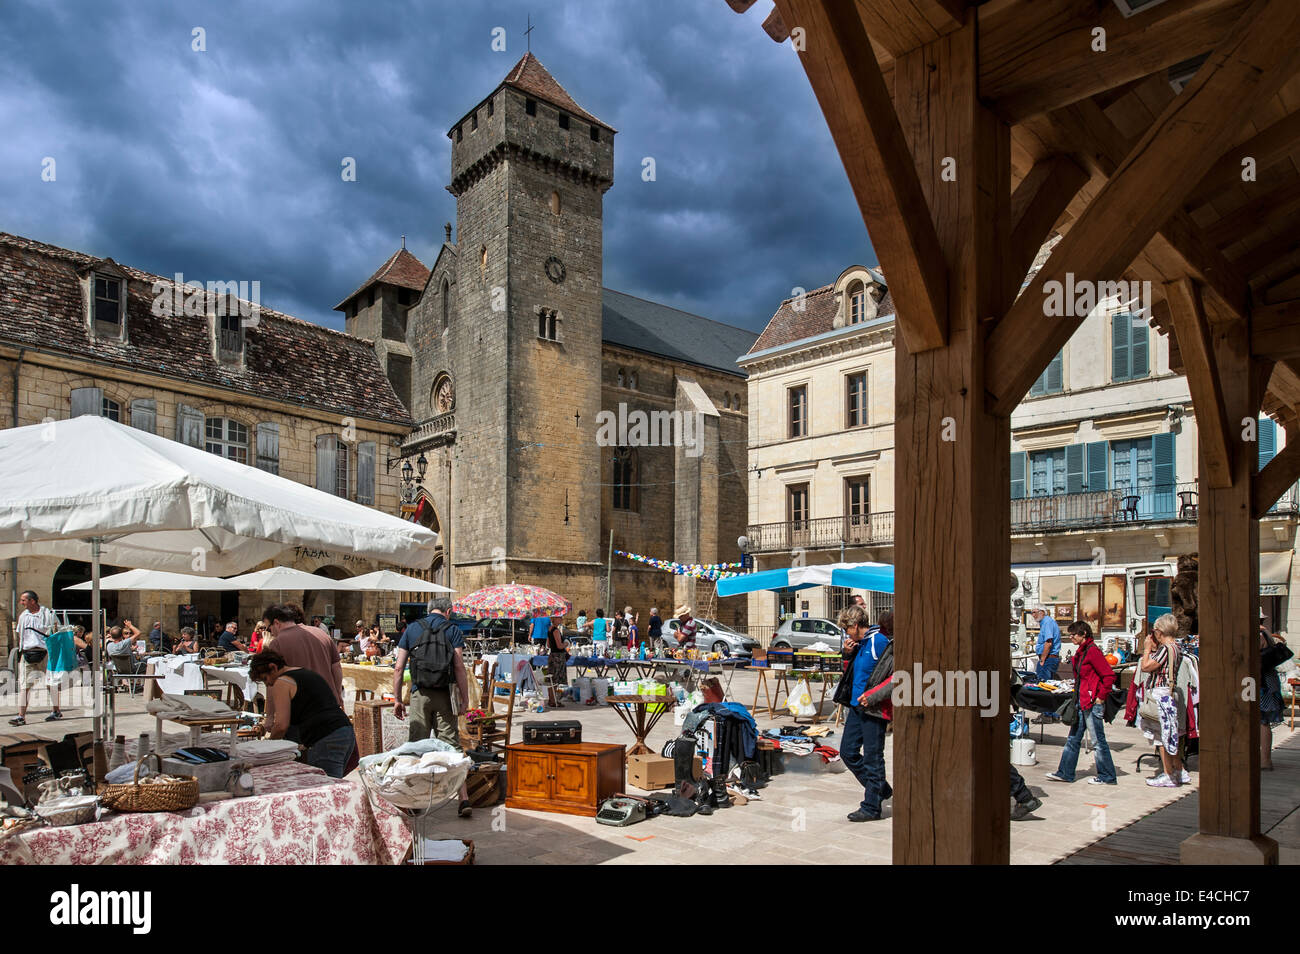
column 446, row 305
column 555, row 203
column 627, row 476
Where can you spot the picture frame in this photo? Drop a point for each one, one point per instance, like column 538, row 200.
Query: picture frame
column 1090, row 605
column 1063, row 612
column 1056, row 589
column 1114, row 615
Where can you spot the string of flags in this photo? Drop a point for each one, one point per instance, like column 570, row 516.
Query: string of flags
column 705, row 571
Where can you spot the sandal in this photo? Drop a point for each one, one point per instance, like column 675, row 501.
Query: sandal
column 465, row 810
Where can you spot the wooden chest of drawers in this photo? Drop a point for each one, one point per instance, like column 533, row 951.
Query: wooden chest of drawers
column 572, row 779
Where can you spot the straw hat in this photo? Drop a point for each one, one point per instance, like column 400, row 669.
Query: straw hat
column 682, row 610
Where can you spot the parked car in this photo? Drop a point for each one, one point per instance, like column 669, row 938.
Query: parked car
column 801, row 632
column 507, row 631
column 712, row 636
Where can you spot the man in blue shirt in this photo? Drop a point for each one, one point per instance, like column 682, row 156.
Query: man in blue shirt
column 229, row 641
column 862, row 746
column 541, row 628
column 1048, row 646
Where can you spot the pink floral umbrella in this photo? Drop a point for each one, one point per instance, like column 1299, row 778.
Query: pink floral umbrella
column 512, row 601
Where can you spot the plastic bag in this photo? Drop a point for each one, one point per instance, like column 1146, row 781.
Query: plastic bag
column 799, row 703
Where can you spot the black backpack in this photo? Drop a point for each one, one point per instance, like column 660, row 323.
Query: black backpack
column 432, row 656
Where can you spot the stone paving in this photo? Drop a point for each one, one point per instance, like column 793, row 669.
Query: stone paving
column 800, row 818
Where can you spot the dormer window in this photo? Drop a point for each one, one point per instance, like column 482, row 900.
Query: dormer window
column 230, row 333
column 857, row 302
column 108, row 301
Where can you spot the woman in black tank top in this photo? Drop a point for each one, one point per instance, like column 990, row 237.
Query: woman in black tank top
column 302, row 700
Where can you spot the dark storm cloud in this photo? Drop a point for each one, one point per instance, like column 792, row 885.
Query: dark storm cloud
column 225, row 164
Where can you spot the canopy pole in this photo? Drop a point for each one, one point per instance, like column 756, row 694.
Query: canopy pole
column 97, row 630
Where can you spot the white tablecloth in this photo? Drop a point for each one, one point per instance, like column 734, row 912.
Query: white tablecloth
column 178, row 673
column 238, row 676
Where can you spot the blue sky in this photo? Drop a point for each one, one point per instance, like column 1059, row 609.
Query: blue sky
column 225, row 164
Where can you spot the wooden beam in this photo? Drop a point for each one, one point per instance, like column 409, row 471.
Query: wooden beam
column 1275, row 330
column 1276, row 478
column 1250, row 64
column 846, row 79
column 1037, row 55
column 1249, row 217
column 1259, row 258
column 903, row 25
column 1194, row 345
column 1036, row 206
column 1266, row 148
column 1180, row 241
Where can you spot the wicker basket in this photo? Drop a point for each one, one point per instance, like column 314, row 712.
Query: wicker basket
column 158, row 797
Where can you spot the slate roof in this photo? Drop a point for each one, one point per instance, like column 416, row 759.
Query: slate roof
column 789, row 324
column 531, row 77
column 648, row 326
column 285, row 359
column 402, row 269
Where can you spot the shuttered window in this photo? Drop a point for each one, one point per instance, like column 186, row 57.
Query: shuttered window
column 366, row 473
column 189, row 425
column 144, row 415
column 1129, row 347
column 1018, row 475
column 1267, row 435
column 268, row 448
column 1052, row 380
column 331, row 465
column 87, row 401
column 1096, row 457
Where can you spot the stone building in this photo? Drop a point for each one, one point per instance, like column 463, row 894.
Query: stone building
column 1103, row 465
column 85, row 335
column 508, row 350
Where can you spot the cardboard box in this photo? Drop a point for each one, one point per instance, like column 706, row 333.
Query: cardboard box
column 650, row 773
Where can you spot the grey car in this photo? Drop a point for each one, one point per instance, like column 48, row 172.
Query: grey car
column 712, row 636
column 801, row 632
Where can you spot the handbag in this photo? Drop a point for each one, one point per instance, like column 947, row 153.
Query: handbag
column 1068, row 712
column 1275, row 655
column 1114, row 703
column 33, row 656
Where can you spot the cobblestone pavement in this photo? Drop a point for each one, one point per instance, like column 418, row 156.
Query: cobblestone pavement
column 800, row 818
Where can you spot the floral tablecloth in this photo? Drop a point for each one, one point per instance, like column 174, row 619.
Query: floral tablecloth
column 298, row 816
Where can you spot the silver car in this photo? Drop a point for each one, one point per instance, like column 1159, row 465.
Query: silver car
column 801, row 632
column 712, row 636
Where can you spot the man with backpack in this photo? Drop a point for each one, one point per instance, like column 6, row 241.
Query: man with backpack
column 865, row 691
column 433, row 647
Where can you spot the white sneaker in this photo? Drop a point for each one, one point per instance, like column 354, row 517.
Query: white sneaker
column 1053, row 777
column 1096, row 781
column 1162, row 781
column 1185, row 778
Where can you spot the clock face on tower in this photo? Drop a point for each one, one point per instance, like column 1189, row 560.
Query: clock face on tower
column 555, row 269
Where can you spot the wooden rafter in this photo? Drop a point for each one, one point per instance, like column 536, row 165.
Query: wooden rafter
column 1036, row 206
column 1256, row 259
column 1250, row 64
column 1197, row 350
column 1278, row 474
column 1037, row 55
column 1246, row 219
column 903, row 25
column 846, row 79
column 1275, row 331
column 1266, row 148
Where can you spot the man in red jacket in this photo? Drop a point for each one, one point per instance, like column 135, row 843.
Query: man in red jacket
column 1093, row 679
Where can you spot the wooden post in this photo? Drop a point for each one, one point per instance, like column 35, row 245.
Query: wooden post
column 1228, row 609
column 951, row 803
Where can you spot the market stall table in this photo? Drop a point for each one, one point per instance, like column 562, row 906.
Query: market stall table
column 197, row 727
column 116, row 679
column 374, row 679
column 297, row 815
column 238, row 677
column 637, row 715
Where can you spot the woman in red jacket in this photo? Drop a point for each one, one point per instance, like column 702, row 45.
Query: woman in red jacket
column 1093, row 679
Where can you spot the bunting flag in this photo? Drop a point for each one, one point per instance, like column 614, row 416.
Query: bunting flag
column 704, row 571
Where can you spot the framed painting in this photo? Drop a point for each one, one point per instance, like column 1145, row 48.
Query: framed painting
column 1063, row 612
column 1090, row 605
column 1113, row 615
column 1056, row 589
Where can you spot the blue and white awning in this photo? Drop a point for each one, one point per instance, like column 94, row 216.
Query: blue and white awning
column 859, row 576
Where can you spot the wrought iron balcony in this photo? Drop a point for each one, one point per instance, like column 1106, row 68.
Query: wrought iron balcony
column 820, row 533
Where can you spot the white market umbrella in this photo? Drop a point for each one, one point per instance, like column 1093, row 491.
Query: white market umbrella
column 285, row 578
column 91, row 489
column 155, row 580
column 386, row 581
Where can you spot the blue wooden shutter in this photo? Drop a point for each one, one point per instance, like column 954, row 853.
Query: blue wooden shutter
column 1267, row 438
column 1097, row 465
column 327, row 463
column 1055, row 373
column 1074, row 469
column 87, row 401
column 1163, row 475
column 1017, row 475
column 1119, row 349
column 1137, row 336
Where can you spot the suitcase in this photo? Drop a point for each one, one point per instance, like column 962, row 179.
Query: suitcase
column 562, row 732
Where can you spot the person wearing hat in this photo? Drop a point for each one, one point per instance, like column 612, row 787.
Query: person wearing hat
column 686, row 627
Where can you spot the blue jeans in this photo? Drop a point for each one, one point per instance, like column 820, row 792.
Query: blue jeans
column 332, row 752
column 1094, row 720
column 1047, row 670
column 862, row 748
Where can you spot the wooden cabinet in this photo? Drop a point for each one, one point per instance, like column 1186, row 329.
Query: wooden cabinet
column 572, row 779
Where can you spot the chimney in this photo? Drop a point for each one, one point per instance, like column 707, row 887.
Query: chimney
column 447, row 228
